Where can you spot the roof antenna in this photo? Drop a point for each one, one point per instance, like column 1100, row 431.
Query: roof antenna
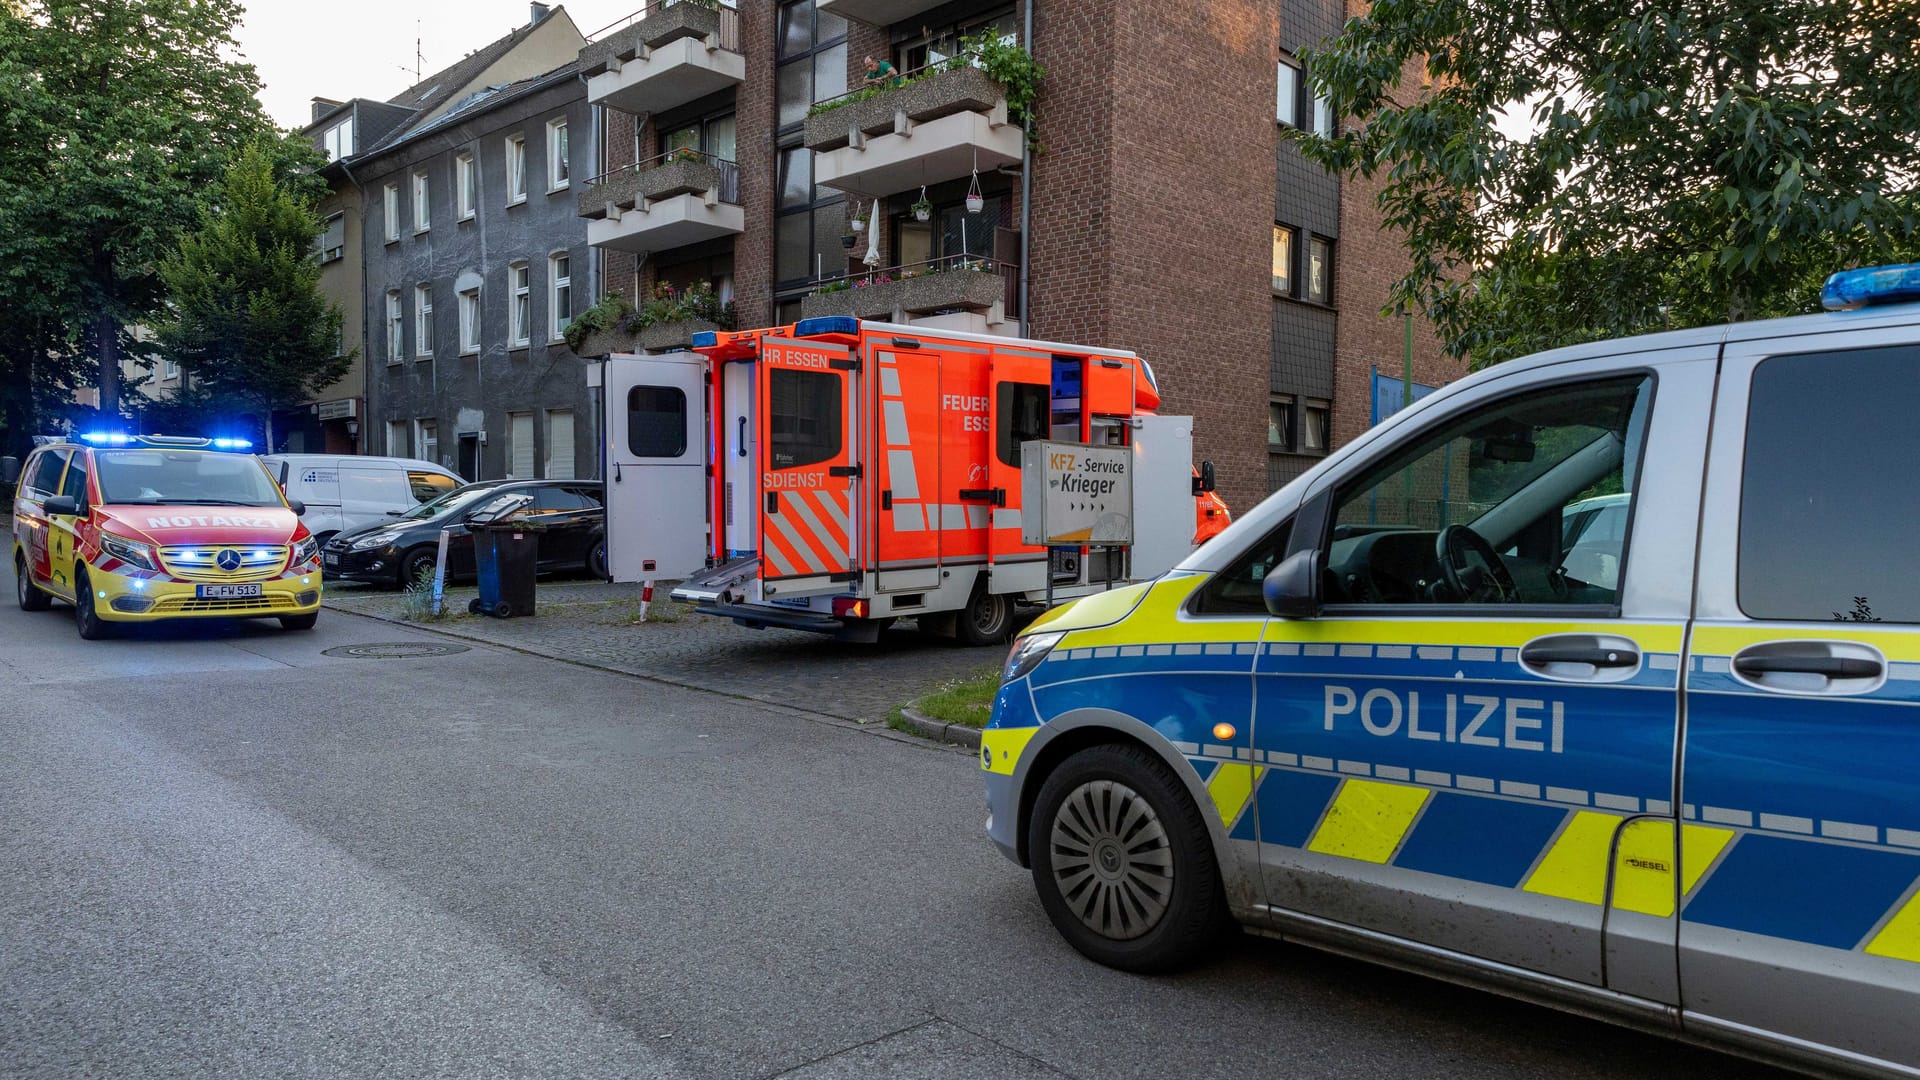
column 419, row 61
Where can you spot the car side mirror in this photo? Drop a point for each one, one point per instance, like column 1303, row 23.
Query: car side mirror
column 1292, row 590
column 1205, row 483
column 299, row 508
column 61, row 506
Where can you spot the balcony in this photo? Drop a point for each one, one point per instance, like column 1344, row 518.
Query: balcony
column 681, row 197
column 964, row 292
column 879, row 12
column 940, row 126
column 666, row 54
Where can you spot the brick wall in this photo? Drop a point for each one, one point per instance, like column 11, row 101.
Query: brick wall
column 1072, row 242
column 753, row 140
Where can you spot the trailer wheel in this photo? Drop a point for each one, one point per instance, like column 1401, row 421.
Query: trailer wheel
column 987, row 619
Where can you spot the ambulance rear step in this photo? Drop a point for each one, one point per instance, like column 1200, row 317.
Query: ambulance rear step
column 726, row 583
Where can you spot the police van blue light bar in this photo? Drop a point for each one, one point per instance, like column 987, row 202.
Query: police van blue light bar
column 1851, row 289
column 826, row 324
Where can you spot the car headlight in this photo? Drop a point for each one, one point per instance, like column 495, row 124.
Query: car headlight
column 365, row 542
column 129, row 551
column 305, row 551
column 1027, row 653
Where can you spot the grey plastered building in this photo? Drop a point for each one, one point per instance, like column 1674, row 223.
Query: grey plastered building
column 476, row 259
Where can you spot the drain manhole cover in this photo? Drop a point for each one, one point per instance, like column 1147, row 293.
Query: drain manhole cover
column 394, row 650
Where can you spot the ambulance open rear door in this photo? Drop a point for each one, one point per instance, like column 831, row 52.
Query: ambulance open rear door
column 656, row 471
column 1021, row 409
column 809, row 525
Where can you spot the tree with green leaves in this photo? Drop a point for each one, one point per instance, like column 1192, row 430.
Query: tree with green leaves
column 116, row 116
column 244, row 316
column 1676, row 163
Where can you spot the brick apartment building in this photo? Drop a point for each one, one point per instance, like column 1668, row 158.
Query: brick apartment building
column 1164, row 210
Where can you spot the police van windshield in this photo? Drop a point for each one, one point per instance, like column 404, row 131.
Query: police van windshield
column 184, row 477
column 451, row 501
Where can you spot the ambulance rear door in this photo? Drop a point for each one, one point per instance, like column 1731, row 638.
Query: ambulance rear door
column 656, row 451
column 1020, row 388
column 810, row 473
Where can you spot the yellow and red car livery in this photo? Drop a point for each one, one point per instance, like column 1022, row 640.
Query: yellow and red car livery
column 139, row 529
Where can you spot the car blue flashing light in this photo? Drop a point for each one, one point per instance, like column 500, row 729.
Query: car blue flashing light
column 1851, row 289
column 106, row 438
column 705, row 339
column 827, row 324
column 232, row 444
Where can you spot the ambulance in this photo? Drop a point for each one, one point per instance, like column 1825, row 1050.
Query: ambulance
column 131, row 528
column 1592, row 679
column 847, row 473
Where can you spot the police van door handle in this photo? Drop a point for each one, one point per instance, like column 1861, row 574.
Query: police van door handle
column 1843, row 666
column 1581, row 657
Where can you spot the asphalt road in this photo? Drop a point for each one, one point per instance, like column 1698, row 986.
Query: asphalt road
column 224, row 853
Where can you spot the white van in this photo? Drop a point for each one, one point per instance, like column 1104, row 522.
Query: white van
column 346, row 491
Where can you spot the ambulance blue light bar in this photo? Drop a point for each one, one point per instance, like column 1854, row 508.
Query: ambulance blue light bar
column 826, row 324
column 705, row 339
column 107, row 438
column 1851, row 289
column 121, row 438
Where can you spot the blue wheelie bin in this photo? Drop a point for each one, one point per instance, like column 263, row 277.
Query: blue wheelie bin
column 506, row 556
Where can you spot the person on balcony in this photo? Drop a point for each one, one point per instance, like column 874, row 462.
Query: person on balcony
column 883, row 73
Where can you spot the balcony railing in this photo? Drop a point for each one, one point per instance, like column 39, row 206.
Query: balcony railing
column 879, row 12
column 665, row 54
column 678, row 198
column 953, row 284
column 943, row 122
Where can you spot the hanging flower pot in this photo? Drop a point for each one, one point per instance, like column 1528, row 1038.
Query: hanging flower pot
column 858, row 225
column 923, row 211
column 847, row 240
column 976, row 203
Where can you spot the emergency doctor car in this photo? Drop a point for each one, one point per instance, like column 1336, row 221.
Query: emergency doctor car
column 1415, row 707
column 143, row 528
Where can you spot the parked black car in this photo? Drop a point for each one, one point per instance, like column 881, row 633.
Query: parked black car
column 570, row 514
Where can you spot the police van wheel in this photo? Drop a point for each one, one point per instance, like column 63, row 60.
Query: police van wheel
column 85, row 618
column 299, row 622
column 29, row 594
column 988, row 618
column 1124, row 863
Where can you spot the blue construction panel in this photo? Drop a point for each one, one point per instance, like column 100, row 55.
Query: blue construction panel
column 1479, row 838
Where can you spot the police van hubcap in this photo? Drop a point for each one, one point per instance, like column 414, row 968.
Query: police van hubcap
column 1111, row 860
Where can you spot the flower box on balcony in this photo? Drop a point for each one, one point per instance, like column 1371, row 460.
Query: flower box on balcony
column 627, row 188
column 663, row 26
column 949, row 290
column 943, row 93
column 660, row 337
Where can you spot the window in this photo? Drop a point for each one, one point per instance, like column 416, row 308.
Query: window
column 559, row 164
column 804, row 417
column 1314, row 417
column 657, row 421
column 1280, row 423
column 1319, row 270
column 470, row 321
column 1239, row 589
column 934, row 44
column 338, row 140
column 396, row 344
column 391, row 205
column 559, row 444
column 333, row 238
column 1826, row 531
column 520, row 449
column 807, row 220
column 46, row 472
column 1025, row 414
column 422, row 215
column 516, row 169
column 559, row 294
column 423, row 320
column 561, row 499
column 1287, row 107
column 813, row 60
column 1495, row 488
column 428, row 486
column 950, row 234
column 715, row 136
column 426, row 439
column 1322, row 115
column 75, row 486
column 519, row 278
column 171, row 369
column 397, row 438
column 464, row 182
column 1282, row 260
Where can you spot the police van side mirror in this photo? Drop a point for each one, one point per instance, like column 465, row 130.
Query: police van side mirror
column 61, row 506
column 1292, row 590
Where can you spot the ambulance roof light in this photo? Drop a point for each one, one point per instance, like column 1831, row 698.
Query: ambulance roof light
column 1871, row 285
column 190, row 442
column 106, row 438
column 826, row 324
column 705, row 339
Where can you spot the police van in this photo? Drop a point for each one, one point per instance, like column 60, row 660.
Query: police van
column 1413, row 707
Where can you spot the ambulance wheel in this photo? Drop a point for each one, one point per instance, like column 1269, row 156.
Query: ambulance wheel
column 987, row 619
column 597, row 559
column 29, row 594
column 1124, row 863
column 85, row 618
column 299, row 622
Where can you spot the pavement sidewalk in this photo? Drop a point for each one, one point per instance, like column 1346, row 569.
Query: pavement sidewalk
column 597, row 624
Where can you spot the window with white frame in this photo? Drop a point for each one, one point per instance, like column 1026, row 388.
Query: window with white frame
column 559, row 165
column 465, row 181
column 470, row 321
column 396, row 344
column 422, row 217
column 1322, row 115
column 423, row 320
column 171, row 370
column 397, row 438
column 1283, row 275
column 391, row 205
column 559, row 444
column 520, row 445
column 516, row 169
column 559, row 294
column 426, row 440
column 519, row 321
column 1287, row 105
column 338, row 140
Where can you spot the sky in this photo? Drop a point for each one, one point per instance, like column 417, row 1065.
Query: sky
column 365, row 48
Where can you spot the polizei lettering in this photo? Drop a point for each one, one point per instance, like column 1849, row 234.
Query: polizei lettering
column 183, row 521
column 1468, row 719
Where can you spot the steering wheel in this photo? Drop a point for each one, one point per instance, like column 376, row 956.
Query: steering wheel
column 1488, row 583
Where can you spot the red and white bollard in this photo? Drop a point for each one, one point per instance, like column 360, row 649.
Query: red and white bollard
column 646, row 597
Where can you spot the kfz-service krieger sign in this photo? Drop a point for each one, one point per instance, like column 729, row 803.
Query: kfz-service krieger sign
column 1072, row 493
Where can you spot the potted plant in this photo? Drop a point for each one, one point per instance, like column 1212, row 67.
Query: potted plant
column 857, row 220
column 976, row 202
column 923, row 208
column 847, row 240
